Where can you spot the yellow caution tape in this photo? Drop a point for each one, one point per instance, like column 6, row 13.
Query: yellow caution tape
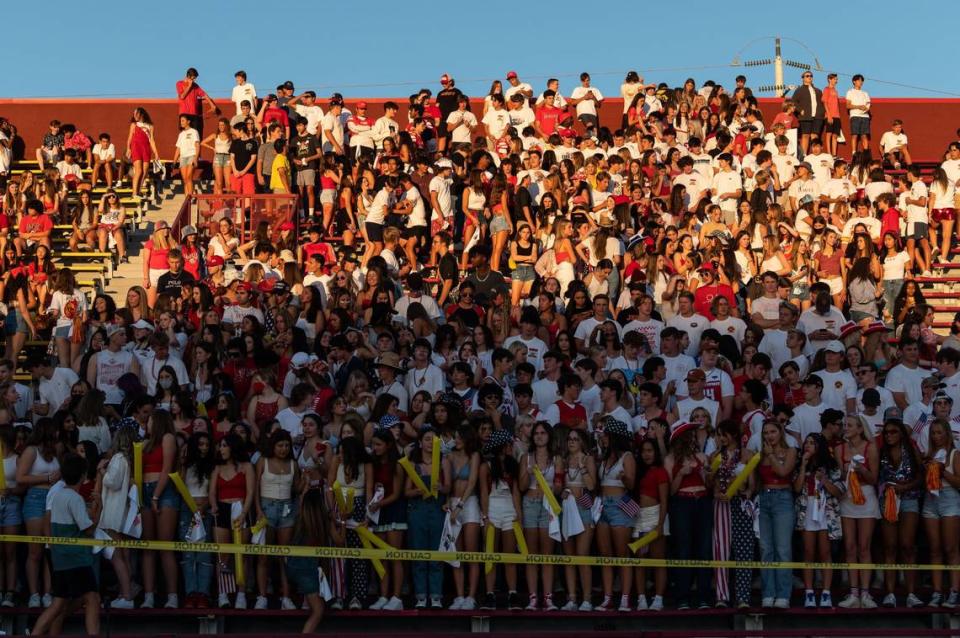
column 365, row 535
column 238, row 561
column 470, row 557
column 547, row 491
column 184, row 492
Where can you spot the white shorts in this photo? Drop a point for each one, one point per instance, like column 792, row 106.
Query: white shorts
column 647, row 521
column 836, row 285
column 470, row 512
column 502, row 515
column 155, row 276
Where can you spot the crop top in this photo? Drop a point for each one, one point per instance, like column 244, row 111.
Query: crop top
column 611, row 477
column 359, row 483
column 276, row 486
column 650, row 484
column 692, row 482
column 549, row 474
column 153, row 460
column 769, row 478
column 575, row 476
column 41, row 466
column 233, row 489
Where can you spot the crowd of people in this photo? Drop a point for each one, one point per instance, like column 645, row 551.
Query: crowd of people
column 697, row 335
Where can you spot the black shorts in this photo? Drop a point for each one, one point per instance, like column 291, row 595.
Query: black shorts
column 832, row 127
column 74, row 583
column 410, row 232
column 811, row 127
column 374, row 231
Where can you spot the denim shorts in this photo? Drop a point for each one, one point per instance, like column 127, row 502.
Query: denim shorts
column 498, row 224
column 169, row 498
column 185, row 161
column 586, row 516
column 524, row 272
column 221, row 159
column 279, row 512
column 535, row 515
column 10, row 514
column 14, row 323
column 35, row 503
column 612, row 514
column 909, row 506
column 947, row 504
column 303, row 573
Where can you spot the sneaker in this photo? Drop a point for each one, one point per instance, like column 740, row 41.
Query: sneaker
column 172, row 602
column 570, row 606
column 850, row 602
column 34, row 601
column 890, row 600
column 642, row 603
column 513, row 601
column 355, row 604
column 606, row 605
column 190, row 602
column 657, row 604
column 241, row 601
column 421, row 602
column 121, row 603
column 913, row 602
column 394, row 604
column 624, row 604
column 305, row 605
column 489, row 601
column 147, row 601
column 781, row 603
column 469, row 604
column 381, row 602
column 766, row 603
column 722, row 604
column 586, row 605
column 261, row 603
column 436, row 602
column 703, row 605
column 336, row 605
column 286, row 604
column 867, row 601
column 548, row 603
column 683, row 605
column 951, row 600
column 826, row 600
column 809, row 600
column 743, row 604
column 533, row 604
column 222, row 602
column 936, row 600
column 7, row 600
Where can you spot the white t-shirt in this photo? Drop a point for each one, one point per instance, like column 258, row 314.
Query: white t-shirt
column 241, row 92
column 585, row 328
column 723, row 183
column 497, row 120
column 104, row 154
column 895, row 267
column 511, row 90
column 418, row 216
column 685, row 408
column 313, row 115
column 733, row 326
column 903, row 379
column 650, row 329
column 441, row 186
column 916, row 213
column 545, row 393
column 187, row 142
column 461, row 134
column 858, row 96
column 333, row 124
column 891, row 140
column 429, row 379
column 291, row 421
column 822, row 164
column 585, row 107
column 811, row 321
column 59, row 301
column 806, row 419
column 56, row 390
column 694, row 325
column 536, row 348
column 837, row 388
column 382, row 204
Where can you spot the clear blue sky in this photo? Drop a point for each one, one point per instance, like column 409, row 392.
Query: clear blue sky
column 394, row 48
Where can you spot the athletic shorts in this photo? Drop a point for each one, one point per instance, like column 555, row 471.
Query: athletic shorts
column 374, row 231
column 859, row 126
column 811, row 127
column 74, row 583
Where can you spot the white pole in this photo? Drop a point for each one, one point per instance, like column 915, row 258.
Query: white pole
column 779, row 89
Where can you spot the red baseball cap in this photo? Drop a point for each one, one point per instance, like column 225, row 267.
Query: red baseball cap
column 707, row 267
column 216, row 260
column 567, row 132
column 511, row 74
column 444, row 79
column 287, row 226
column 245, row 285
column 361, row 105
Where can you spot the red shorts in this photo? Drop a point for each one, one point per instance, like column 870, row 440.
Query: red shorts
column 243, row 184
column 944, row 214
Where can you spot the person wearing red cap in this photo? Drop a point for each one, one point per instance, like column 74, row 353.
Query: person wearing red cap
column 517, row 87
column 709, row 289
column 461, row 124
column 233, row 315
column 448, row 101
column 359, row 126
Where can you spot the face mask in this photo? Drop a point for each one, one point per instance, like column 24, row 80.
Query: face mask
column 166, row 384
column 259, row 387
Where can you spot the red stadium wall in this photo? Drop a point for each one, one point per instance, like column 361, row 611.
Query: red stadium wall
column 930, row 123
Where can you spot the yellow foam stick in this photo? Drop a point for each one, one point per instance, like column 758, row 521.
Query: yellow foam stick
column 643, row 541
column 547, row 491
column 184, row 492
column 742, row 477
column 138, row 469
column 715, row 463
column 521, row 541
column 435, row 468
column 488, row 546
column 259, row 525
column 365, row 541
column 3, row 474
column 238, row 561
column 338, row 496
column 375, row 540
column 414, row 477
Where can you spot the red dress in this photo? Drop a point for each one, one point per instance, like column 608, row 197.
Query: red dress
column 139, row 144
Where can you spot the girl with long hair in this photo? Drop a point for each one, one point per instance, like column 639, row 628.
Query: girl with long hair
column 462, row 470
column 115, row 478
column 315, row 527
column 500, row 502
column 195, row 469
column 895, row 264
column 775, row 471
column 580, row 483
column 653, row 494
column 536, row 518
column 85, row 218
column 277, row 476
column 617, row 477
column 141, row 147
column 232, row 490
column 352, row 471
column 940, row 517
column 425, row 516
column 68, row 305
column 219, row 142
column 161, row 505
column 392, row 520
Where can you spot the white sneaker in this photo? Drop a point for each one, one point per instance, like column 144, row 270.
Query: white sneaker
column 394, row 604
column 586, row 605
column 766, row 603
column 379, row 604
column 355, row 604
column 913, row 601
column 850, row 602
column 34, row 601
column 436, row 602
column 657, row 604
column 826, row 600
column 121, row 603
column 890, row 600
column 867, row 601
column 570, row 606
column 457, row 604
column 261, row 603
column 147, row 601
column 223, row 602
column 172, row 602
column 642, row 603
column 781, row 603
column 952, row 600
column 7, row 600
column 624, row 604
column 46, row 600
column 809, row 600
column 469, row 604
column 421, row 602
column 286, row 604
column 241, row 601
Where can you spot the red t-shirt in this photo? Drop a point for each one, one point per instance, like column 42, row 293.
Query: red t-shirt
column 158, row 256
column 191, row 261
column 650, row 483
column 549, row 118
column 705, row 294
column 276, row 114
column 36, row 224
column 890, row 222
column 321, row 248
column 190, row 105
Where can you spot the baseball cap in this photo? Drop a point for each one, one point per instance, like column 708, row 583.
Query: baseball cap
column 445, row 79
column 143, row 324
column 707, row 266
column 942, row 396
column 443, row 162
column 806, row 199
column 892, row 414
column 511, row 74
column 930, row 382
column 160, row 225
column 805, row 165
column 834, row 346
column 696, row 375
column 516, row 97
column 361, row 105
column 214, row 261
column 287, row 226
column 113, row 329
column 301, row 359
column 288, row 85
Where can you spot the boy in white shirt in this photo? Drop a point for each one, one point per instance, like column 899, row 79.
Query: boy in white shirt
column 243, row 91
column 104, row 155
column 894, row 146
column 858, row 106
column 587, row 99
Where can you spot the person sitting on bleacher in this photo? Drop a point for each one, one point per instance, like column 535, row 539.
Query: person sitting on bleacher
column 35, row 227
column 51, row 149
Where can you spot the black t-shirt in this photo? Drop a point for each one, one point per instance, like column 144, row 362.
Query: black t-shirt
column 172, row 284
column 242, row 151
column 305, row 146
column 447, row 102
column 449, row 270
column 520, row 200
column 493, row 282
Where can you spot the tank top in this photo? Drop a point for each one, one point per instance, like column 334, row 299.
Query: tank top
column 42, row 467
column 772, row 263
column 693, row 483
column 610, row 477
column 524, row 252
column 10, row 471
column 198, row 486
column 277, row 486
column 477, row 200
column 327, row 183
column 359, row 483
column 575, row 476
column 153, row 460
column 220, row 146
column 264, row 412
column 831, row 264
column 549, row 474
column 769, row 478
column 110, row 217
column 233, row 489
column 383, row 475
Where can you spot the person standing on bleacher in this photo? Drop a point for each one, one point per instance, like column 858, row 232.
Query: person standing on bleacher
column 190, row 99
